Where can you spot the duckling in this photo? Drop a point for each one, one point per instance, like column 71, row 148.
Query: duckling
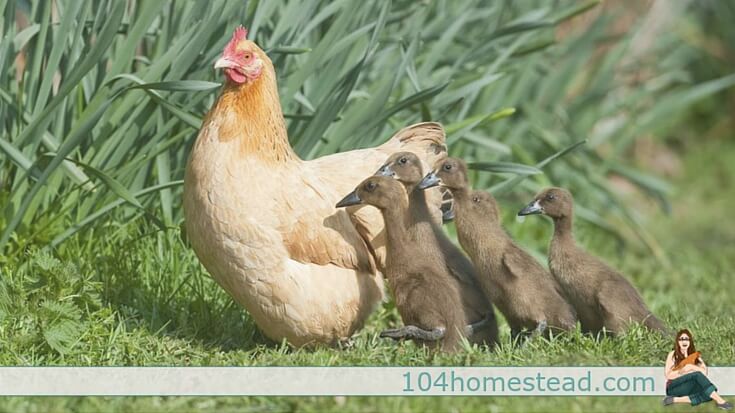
column 602, row 297
column 424, row 228
column 525, row 292
column 426, row 298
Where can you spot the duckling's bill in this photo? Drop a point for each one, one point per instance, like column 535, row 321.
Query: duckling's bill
column 351, row 199
column 430, row 180
column 532, row 209
column 385, row 170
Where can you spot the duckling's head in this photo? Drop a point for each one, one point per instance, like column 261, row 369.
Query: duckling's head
column 482, row 208
column 450, row 172
column 379, row 191
column 554, row 202
column 403, row 166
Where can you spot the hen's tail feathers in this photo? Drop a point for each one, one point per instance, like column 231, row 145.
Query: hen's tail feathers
column 425, row 138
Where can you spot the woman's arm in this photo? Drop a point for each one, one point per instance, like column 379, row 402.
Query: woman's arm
column 669, row 371
column 702, row 367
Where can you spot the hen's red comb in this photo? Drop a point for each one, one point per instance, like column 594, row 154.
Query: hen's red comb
column 238, row 35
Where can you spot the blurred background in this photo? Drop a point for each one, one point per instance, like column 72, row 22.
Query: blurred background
column 627, row 103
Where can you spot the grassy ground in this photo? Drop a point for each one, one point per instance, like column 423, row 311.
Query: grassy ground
column 127, row 297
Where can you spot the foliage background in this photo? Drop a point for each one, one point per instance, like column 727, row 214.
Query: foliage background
column 100, row 102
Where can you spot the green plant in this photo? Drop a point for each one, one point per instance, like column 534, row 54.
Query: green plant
column 101, row 99
column 46, row 303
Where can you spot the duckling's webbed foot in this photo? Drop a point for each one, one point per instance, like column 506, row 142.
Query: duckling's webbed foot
column 540, row 328
column 413, row 333
column 521, row 337
column 474, row 328
column 515, row 337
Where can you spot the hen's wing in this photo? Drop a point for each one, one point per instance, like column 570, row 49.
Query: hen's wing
column 314, row 231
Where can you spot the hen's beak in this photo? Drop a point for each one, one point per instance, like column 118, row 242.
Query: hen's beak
column 532, row 209
column 350, row 199
column 430, row 180
column 224, row 62
column 385, row 170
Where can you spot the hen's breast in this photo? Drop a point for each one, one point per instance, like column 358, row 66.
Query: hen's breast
column 256, row 228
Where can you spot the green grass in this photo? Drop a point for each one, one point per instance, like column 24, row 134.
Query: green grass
column 142, row 299
column 95, row 272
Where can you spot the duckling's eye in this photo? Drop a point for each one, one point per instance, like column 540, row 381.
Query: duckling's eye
column 447, row 166
column 402, row 161
column 371, row 186
column 550, row 197
column 476, row 199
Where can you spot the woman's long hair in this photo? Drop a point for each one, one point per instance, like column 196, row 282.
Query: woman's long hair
column 678, row 356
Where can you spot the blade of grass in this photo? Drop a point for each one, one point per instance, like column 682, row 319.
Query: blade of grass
column 505, row 186
column 504, row 167
column 106, row 209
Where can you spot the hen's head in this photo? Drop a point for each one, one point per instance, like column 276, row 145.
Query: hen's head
column 242, row 59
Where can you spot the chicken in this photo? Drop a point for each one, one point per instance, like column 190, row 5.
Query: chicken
column 263, row 222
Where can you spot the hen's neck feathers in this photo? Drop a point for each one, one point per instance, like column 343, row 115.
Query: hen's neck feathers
column 258, row 121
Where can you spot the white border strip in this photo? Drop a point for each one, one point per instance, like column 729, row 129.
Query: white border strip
column 347, row 381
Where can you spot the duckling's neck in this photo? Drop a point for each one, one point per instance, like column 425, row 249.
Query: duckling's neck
column 396, row 218
column 460, row 195
column 563, row 231
column 460, row 201
column 419, row 210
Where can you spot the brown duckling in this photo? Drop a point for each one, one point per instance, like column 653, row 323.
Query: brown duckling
column 525, row 292
column 602, row 297
column 426, row 297
column 424, row 228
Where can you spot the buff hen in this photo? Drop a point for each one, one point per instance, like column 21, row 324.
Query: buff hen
column 263, row 222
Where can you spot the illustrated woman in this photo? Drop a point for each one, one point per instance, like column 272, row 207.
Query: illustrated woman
column 686, row 375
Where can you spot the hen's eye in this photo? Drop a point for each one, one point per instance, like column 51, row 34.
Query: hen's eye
column 402, row 161
column 247, row 56
column 447, row 166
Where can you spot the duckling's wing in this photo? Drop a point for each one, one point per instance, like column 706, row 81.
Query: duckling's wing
column 462, row 269
column 619, row 300
column 519, row 263
column 457, row 263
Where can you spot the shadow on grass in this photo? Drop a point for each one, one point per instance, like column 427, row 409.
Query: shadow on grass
column 154, row 278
